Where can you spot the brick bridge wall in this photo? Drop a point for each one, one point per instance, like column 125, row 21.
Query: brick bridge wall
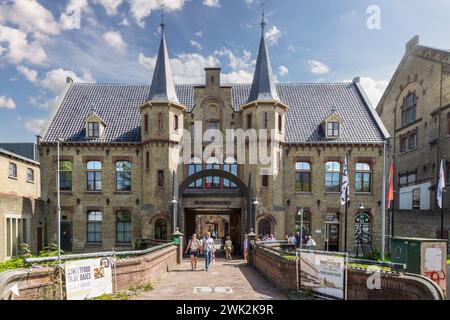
column 129, row 272
column 282, row 273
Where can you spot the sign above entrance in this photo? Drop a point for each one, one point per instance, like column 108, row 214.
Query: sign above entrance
column 212, row 203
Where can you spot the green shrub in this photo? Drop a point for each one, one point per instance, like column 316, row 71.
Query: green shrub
column 14, row 263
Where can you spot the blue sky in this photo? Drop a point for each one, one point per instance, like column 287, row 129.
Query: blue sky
column 117, row 41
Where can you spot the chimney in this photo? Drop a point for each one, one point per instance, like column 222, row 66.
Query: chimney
column 411, row 44
column 69, row 80
column 212, row 77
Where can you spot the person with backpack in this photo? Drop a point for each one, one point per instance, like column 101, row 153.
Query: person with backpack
column 193, row 248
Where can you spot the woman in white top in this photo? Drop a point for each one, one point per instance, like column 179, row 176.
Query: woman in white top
column 193, row 249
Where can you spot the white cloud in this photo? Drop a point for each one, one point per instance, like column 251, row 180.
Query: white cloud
column 235, row 62
column 7, row 103
column 35, row 125
column 374, row 88
column 55, row 80
column 211, row 3
column 140, row 9
column 29, row 74
column 71, row 17
column 240, row 76
column 29, row 16
column 110, row 6
column 124, row 22
column 317, row 67
column 272, row 36
column 199, row 34
column 114, row 39
column 291, row 48
column 186, row 67
column 283, row 71
column 196, row 45
column 19, row 48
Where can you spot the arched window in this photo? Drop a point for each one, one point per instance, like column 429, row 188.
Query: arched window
column 230, row 165
column 362, row 228
column 303, row 176
column 94, row 175
column 212, row 182
column 363, row 177
column 264, row 227
column 409, row 109
column 332, row 176
column 161, row 229
column 123, row 175
column 195, row 165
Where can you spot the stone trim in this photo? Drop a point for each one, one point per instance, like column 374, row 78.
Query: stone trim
column 93, row 158
column 63, row 158
column 333, row 158
column 370, row 160
column 93, row 208
column 122, row 158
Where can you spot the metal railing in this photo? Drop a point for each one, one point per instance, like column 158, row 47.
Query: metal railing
column 100, row 254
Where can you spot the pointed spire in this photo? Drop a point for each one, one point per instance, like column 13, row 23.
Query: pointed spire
column 163, row 88
column 263, row 86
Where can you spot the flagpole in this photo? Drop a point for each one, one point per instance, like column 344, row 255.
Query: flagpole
column 442, row 215
column 345, row 222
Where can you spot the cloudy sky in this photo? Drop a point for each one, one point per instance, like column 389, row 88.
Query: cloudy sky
column 111, row 41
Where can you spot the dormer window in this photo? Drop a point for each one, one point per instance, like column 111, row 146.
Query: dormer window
column 93, row 129
column 331, row 126
column 95, row 126
column 333, row 129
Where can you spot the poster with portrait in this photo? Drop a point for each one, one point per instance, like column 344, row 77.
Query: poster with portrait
column 323, row 274
column 88, row 278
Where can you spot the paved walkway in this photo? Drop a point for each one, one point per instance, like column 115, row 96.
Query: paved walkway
column 224, row 281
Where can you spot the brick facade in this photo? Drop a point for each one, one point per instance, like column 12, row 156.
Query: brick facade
column 425, row 74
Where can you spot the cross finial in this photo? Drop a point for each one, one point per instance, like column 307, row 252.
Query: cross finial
column 263, row 20
column 162, row 18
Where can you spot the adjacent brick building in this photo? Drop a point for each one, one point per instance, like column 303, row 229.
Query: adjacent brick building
column 416, row 111
column 21, row 209
column 122, row 178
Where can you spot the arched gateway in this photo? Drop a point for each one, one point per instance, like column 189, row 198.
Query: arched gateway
column 223, row 210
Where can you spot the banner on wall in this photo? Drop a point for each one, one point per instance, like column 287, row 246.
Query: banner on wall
column 323, row 274
column 88, row 278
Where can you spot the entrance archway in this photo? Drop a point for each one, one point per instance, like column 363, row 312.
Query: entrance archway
column 237, row 222
column 214, row 173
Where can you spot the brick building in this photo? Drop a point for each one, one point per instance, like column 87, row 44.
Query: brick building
column 416, row 111
column 122, row 178
column 21, row 209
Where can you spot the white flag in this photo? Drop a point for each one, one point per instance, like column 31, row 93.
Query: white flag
column 344, row 189
column 441, row 186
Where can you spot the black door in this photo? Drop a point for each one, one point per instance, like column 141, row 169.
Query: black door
column 66, row 236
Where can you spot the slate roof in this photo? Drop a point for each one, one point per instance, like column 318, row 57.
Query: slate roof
column 309, row 104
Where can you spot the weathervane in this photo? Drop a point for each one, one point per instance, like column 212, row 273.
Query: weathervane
column 162, row 17
column 263, row 20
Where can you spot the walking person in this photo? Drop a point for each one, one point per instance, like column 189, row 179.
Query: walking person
column 193, row 250
column 245, row 248
column 228, row 248
column 297, row 239
column 292, row 239
column 310, row 244
column 208, row 249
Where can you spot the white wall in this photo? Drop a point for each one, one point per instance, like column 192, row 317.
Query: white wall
column 406, row 194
